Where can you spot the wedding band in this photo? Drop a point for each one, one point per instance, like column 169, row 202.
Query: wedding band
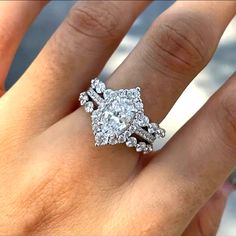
column 118, row 117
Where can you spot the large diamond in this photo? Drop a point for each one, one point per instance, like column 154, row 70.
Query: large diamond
column 115, row 115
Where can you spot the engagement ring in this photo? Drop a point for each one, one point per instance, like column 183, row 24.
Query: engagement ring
column 118, row 117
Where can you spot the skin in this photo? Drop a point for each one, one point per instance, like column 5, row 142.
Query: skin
column 54, row 181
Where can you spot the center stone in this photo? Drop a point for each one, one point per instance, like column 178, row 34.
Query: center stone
column 118, row 116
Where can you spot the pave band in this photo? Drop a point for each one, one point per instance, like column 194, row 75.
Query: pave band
column 118, row 117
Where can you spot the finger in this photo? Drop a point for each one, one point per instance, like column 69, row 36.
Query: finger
column 159, row 92
column 76, row 52
column 15, row 18
column 177, row 46
column 196, row 161
column 207, row 220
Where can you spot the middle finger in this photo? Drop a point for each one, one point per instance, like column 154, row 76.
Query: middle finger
column 175, row 49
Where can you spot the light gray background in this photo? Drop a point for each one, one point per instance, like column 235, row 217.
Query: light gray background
column 221, row 67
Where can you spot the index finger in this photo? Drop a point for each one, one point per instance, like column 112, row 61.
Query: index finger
column 15, row 18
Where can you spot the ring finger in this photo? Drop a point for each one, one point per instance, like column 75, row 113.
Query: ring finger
column 174, row 50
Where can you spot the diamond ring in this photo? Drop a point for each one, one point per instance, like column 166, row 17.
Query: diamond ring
column 118, row 117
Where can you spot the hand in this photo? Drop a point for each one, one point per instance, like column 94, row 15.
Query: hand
column 54, row 181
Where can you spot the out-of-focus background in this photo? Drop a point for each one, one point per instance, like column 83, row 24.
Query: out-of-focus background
column 206, row 83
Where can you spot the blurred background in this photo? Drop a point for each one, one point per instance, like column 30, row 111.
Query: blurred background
column 206, row 83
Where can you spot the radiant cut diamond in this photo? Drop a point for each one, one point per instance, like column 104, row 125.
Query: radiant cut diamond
column 116, row 115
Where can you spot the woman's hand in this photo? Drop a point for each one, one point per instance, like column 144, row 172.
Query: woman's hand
column 54, row 181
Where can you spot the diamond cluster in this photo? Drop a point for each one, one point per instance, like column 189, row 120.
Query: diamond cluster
column 118, row 117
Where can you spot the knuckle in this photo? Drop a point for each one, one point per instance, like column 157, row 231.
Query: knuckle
column 94, row 19
column 178, row 44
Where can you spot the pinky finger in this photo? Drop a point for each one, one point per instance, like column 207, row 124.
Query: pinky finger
column 207, row 220
column 15, row 18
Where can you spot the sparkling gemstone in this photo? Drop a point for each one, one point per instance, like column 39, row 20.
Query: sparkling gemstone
column 138, row 105
column 112, row 140
column 100, row 87
column 142, row 120
column 115, row 117
column 153, row 128
column 148, row 149
column 121, row 138
column 140, row 147
column 94, row 83
column 161, row 133
column 131, row 142
column 101, row 139
column 107, row 93
column 83, row 98
column 127, row 133
column 132, row 129
column 88, row 106
column 133, row 93
column 122, row 92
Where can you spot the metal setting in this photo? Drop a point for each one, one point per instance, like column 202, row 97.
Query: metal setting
column 118, row 117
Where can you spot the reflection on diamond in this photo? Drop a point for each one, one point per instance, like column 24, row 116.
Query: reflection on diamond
column 100, row 87
column 121, row 139
column 141, row 147
column 88, row 106
column 94, row 83
column 83, row 98
column 142, row 120
column 131, row 142
column 116, row 115
column 153, row 128
column 101, row 139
